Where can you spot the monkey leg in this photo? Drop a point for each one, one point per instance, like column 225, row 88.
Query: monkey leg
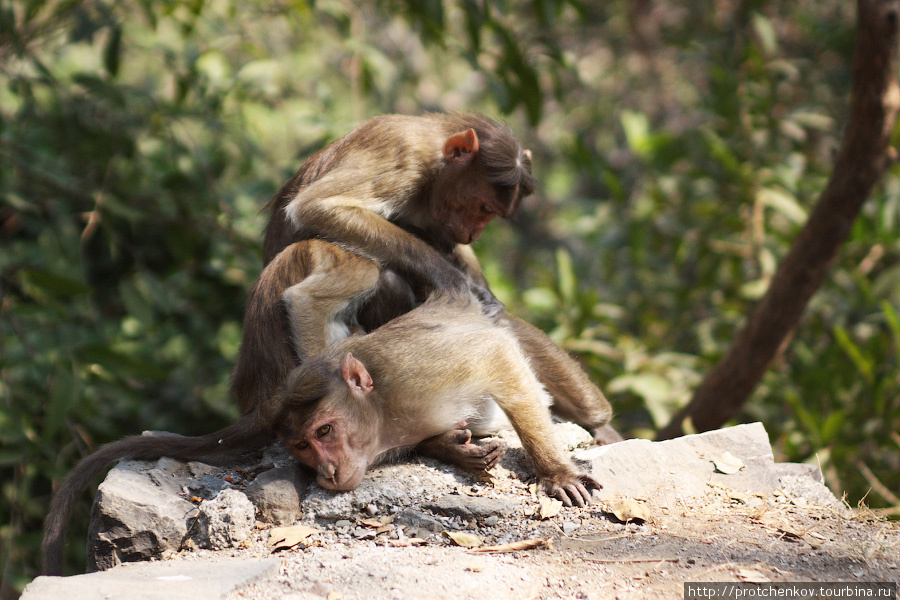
column 455, row 447
column 321, row 308
column 575, row 397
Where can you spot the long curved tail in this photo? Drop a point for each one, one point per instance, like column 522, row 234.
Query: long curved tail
column 242, row 436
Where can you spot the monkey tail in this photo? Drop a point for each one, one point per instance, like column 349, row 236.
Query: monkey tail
column 244, row 435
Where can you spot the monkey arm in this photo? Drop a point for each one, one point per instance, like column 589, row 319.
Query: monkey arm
column 353, row 224
column 464, row 258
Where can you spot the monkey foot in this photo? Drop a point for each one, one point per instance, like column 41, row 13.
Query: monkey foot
column 605, row 435
column 456, row 448
column 571, row 489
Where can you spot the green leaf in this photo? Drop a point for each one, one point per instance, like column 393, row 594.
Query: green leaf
column 541, row 300
column 890, row 315
column 565, row 275
column 119, row 362
column 863, row 365
column 113, row 51
column 40, row 284
column 784, row 203
column 637, row 131
column 655, row 390
column 64, row 394
column 832, row 426
column 768, row 39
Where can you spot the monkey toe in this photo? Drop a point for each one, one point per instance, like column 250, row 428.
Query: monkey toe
column 573, row 491
column 495, row 449
column 476, row 457
column 605, row 435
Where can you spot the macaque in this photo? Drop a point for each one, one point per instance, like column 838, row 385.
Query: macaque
column 405, row 191
column 418, row 378
column 331, row 284
column 410, row 193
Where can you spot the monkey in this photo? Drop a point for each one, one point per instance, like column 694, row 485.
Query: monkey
column 328, row 313
column 417, row 378
column 406, row 190
column 410, row 192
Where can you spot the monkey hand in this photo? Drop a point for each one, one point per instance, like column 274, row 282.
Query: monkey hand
column 456, row 448
column 490, row 306
column 571, row 488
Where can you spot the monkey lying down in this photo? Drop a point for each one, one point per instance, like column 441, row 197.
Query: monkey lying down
column 416, row 381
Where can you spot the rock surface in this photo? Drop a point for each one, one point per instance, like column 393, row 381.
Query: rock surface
column 156, row 581
column 709, row 507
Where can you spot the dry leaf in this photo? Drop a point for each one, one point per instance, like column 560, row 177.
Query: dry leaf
column 752, row 576
column 486, row 478
column 282, row 538
column 628, row 510
column 550, row 507
column 728, row 464
column 466, row 540
column 514, row 546
column 373, row 523
column 376, row 523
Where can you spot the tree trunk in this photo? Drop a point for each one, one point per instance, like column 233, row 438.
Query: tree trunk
column 864, row 156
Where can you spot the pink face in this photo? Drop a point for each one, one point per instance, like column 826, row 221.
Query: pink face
column 466, row 208
column 326, row 447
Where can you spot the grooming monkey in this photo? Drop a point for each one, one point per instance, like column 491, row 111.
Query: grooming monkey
column 409, row 192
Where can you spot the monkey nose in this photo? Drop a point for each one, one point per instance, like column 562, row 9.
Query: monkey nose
column 327, row 471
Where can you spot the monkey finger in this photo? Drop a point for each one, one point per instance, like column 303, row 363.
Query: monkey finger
column 496, row 450
column 583, row 497
column 460, row 436
column 591, row 481
column 560, row 494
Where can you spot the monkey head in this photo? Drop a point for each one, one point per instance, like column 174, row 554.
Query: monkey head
column 480, row 179
column 326, row 420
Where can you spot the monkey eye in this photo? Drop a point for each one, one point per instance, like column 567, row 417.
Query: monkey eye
column 301, row 445
column 323, row 431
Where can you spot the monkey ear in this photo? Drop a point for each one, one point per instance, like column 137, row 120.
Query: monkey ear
column 461, row 147
column 355, row 375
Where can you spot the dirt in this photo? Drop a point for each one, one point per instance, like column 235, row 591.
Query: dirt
column 584, row 552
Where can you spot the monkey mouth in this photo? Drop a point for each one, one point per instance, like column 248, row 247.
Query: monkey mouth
column 341, row 482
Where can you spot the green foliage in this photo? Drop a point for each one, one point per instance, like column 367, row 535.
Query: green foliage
column 679, row 150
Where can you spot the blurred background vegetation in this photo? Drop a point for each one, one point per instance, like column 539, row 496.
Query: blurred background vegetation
column 679, row 145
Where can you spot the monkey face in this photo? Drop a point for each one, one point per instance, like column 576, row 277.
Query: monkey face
column 465, row 205
column 329, row 445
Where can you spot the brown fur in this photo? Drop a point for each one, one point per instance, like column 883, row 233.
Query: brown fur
column 388, row 191
column 411, row 381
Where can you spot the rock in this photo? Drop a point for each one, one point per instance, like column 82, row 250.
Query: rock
column 675, row 470
column 206, row 579
column 135, row 517
column 276, row 494
column 383, row 489
column 569, row 527
column 570, row 436
column 415, row 519
column 805, row 484
column 224, row 521
column 471, row 507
